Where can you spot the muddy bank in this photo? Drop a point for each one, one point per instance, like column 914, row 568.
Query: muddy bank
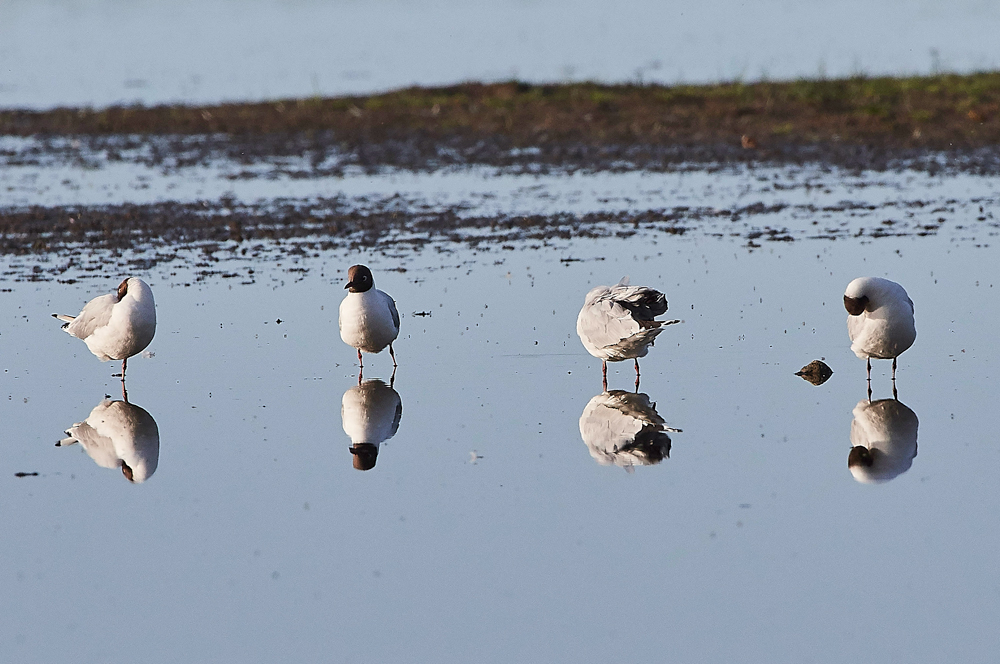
column 926, row 123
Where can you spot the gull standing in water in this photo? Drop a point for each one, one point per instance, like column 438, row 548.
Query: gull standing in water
column 368, row 317
column 879, row 321
column 118, row 325
column 617, row 323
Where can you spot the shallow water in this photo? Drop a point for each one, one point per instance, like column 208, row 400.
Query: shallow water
column 60, row 53
column 486, row 528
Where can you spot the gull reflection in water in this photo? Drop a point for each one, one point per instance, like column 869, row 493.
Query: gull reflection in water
column 371, row 412
column 118, row 434
column 623, row 429
column 883, row 439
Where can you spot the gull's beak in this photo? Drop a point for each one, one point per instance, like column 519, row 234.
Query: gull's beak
column 349, row 284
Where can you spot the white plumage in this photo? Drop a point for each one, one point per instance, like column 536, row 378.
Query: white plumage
column 118, row 434
column 880, row 319
column 118, row 325
column 618, row 322
column 883, row 439
column 369, row 320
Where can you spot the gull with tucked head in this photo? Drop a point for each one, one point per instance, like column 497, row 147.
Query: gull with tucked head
column 118, row 325
column 618, row 323
column 880, row 320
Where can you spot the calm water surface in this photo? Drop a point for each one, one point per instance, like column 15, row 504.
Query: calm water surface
column 487, row 531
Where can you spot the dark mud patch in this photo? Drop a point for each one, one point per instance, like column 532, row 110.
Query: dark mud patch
column 926, row 123
column 46, row 243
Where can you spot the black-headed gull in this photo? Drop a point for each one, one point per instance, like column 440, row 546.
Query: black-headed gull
column 617, row 323
column 119, row 434
column 879, row 321
column 118, row 325
column 883, row 440
column 370, row 413
column 368, row 317
column 623, row 429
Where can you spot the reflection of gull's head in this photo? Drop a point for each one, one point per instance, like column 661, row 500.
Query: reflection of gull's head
column 623, row 429
column 122, row 435
column 364, row 455
column 371, row 412
column 883, row 439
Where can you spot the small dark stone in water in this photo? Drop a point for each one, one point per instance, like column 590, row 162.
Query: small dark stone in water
column 25, row 474
column 816, row 372
column 421, row 313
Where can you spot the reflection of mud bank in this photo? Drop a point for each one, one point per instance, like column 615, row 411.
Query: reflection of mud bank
column 324, row 153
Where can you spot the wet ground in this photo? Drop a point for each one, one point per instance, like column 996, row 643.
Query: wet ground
column 70, row 209
column 490, row 499
column 490, row 524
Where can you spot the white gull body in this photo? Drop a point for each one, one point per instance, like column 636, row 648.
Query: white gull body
column 369, row 320
column 883, row 440
column 370, row 413
column 118, row 325
column 618, row 322
column 623, row 429
column 880, row 319
column 118, row 434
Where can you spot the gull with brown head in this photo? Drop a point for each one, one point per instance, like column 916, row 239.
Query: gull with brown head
column 369, row 320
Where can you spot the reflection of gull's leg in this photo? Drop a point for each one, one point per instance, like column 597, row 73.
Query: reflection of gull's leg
column 361, row 372
column 124, row 393
column 393, row 356
column 392, row 378
column 604, row 371
column 869, row 390
column 894, row 394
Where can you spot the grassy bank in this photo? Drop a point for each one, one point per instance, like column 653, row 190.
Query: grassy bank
column 935, row 112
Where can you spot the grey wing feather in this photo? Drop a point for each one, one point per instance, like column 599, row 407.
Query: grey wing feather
column 396, row 418
column 392, row 310
column 95, row 314
column 609, row 323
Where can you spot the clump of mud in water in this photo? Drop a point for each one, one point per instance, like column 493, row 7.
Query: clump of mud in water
column 816, row 372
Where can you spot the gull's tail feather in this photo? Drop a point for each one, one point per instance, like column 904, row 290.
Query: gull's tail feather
column 66, row 319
